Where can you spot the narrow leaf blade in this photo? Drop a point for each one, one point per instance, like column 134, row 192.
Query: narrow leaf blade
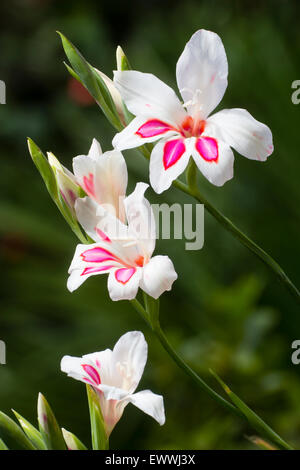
column 255, row 421
column 48, row 426
column 43, row 167
column 99, row 437
column 31, row 432
column 72, row 441
column 9, row 430
column 3, row 446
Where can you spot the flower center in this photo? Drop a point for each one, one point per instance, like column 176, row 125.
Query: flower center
column 140, row 261
column 125, row 371
column 191, row 127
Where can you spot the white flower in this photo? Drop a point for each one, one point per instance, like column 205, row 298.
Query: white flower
column 189, row 130
column 103, row 176
column 115, row 375
column 122, row 251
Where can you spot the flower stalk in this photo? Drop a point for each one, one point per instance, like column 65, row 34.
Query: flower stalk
column 192, row 190
column 242, row 238
column 238, row 408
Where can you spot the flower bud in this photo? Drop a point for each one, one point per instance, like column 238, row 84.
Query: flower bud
column 66, row 182
column 115, row 95
column 122, row 61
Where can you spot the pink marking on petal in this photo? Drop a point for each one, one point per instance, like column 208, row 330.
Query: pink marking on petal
column 208, row 148
column 123, row 275
column 64, row 197
column 92, row 372
column 153, row 127
column 98, row 363
column 97, row 255
column 88, row 381
column 92, row 270
column 173, row 151
column 72, row 196
column 102, row 235
column 70, row 200
column 88, row 183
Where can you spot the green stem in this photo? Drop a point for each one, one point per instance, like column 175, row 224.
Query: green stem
column 151, row 317
column 244, row 239
column 180, row 362
column 192, row 190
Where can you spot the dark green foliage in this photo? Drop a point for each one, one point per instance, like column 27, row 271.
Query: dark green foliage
column 226, row 311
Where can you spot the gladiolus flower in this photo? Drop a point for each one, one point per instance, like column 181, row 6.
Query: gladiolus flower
column 103, row 176
column 122, row 251
column 188, row 129
column 115, row 375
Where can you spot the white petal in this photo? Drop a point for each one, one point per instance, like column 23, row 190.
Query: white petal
column 158, row 276
column 94, row 249
column 86, row 212
column 130, row 138
column 160, row 177
column 84, row 171
column 149, row 403
column 72, row 366
column 112, row 393
column 201, row 72
column 246, row 135
column 81, row 269
column 141, row 222
column 111, row 182
column 103, row 177
column 95, row 150
column 76, row 278
column 130, row 354
column 124, row 290
column 220, row 171
column 146, row 95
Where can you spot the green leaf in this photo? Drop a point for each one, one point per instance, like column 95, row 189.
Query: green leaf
column 48, row 426
column 72, row 441
column 31, row 432
column 252, row 417
column 72, row 73
column 9, row 430
column 91, row 80
column 3, row 446
column 99, row 436
column 44, row 168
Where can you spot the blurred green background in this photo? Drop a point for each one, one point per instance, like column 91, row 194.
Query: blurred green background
column 226, row 311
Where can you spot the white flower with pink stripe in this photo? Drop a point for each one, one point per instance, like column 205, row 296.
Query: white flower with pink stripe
column 188, row 129
column 123, row 251
column 103, row 176
column 115, row 375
